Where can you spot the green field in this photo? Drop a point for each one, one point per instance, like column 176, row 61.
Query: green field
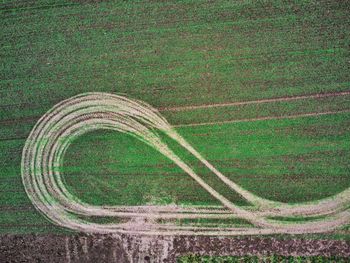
column 175, row 54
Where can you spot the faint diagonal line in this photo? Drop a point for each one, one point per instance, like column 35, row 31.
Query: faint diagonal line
column 295, row 116
column 281, row 99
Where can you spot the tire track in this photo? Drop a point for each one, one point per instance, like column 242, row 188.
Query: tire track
column 54, row 132
column 260, row 101
column 295, row 116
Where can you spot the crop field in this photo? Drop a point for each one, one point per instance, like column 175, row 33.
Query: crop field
column 260, row 89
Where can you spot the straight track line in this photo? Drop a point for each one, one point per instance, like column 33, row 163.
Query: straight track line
column 295, row 116
column 281, row 99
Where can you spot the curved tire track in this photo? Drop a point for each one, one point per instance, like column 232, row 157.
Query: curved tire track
column 54, row 132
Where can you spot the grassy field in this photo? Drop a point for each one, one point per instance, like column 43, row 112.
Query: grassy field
column 207, row 66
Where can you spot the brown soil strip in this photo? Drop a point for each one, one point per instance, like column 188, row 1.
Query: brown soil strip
column 125, row 248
